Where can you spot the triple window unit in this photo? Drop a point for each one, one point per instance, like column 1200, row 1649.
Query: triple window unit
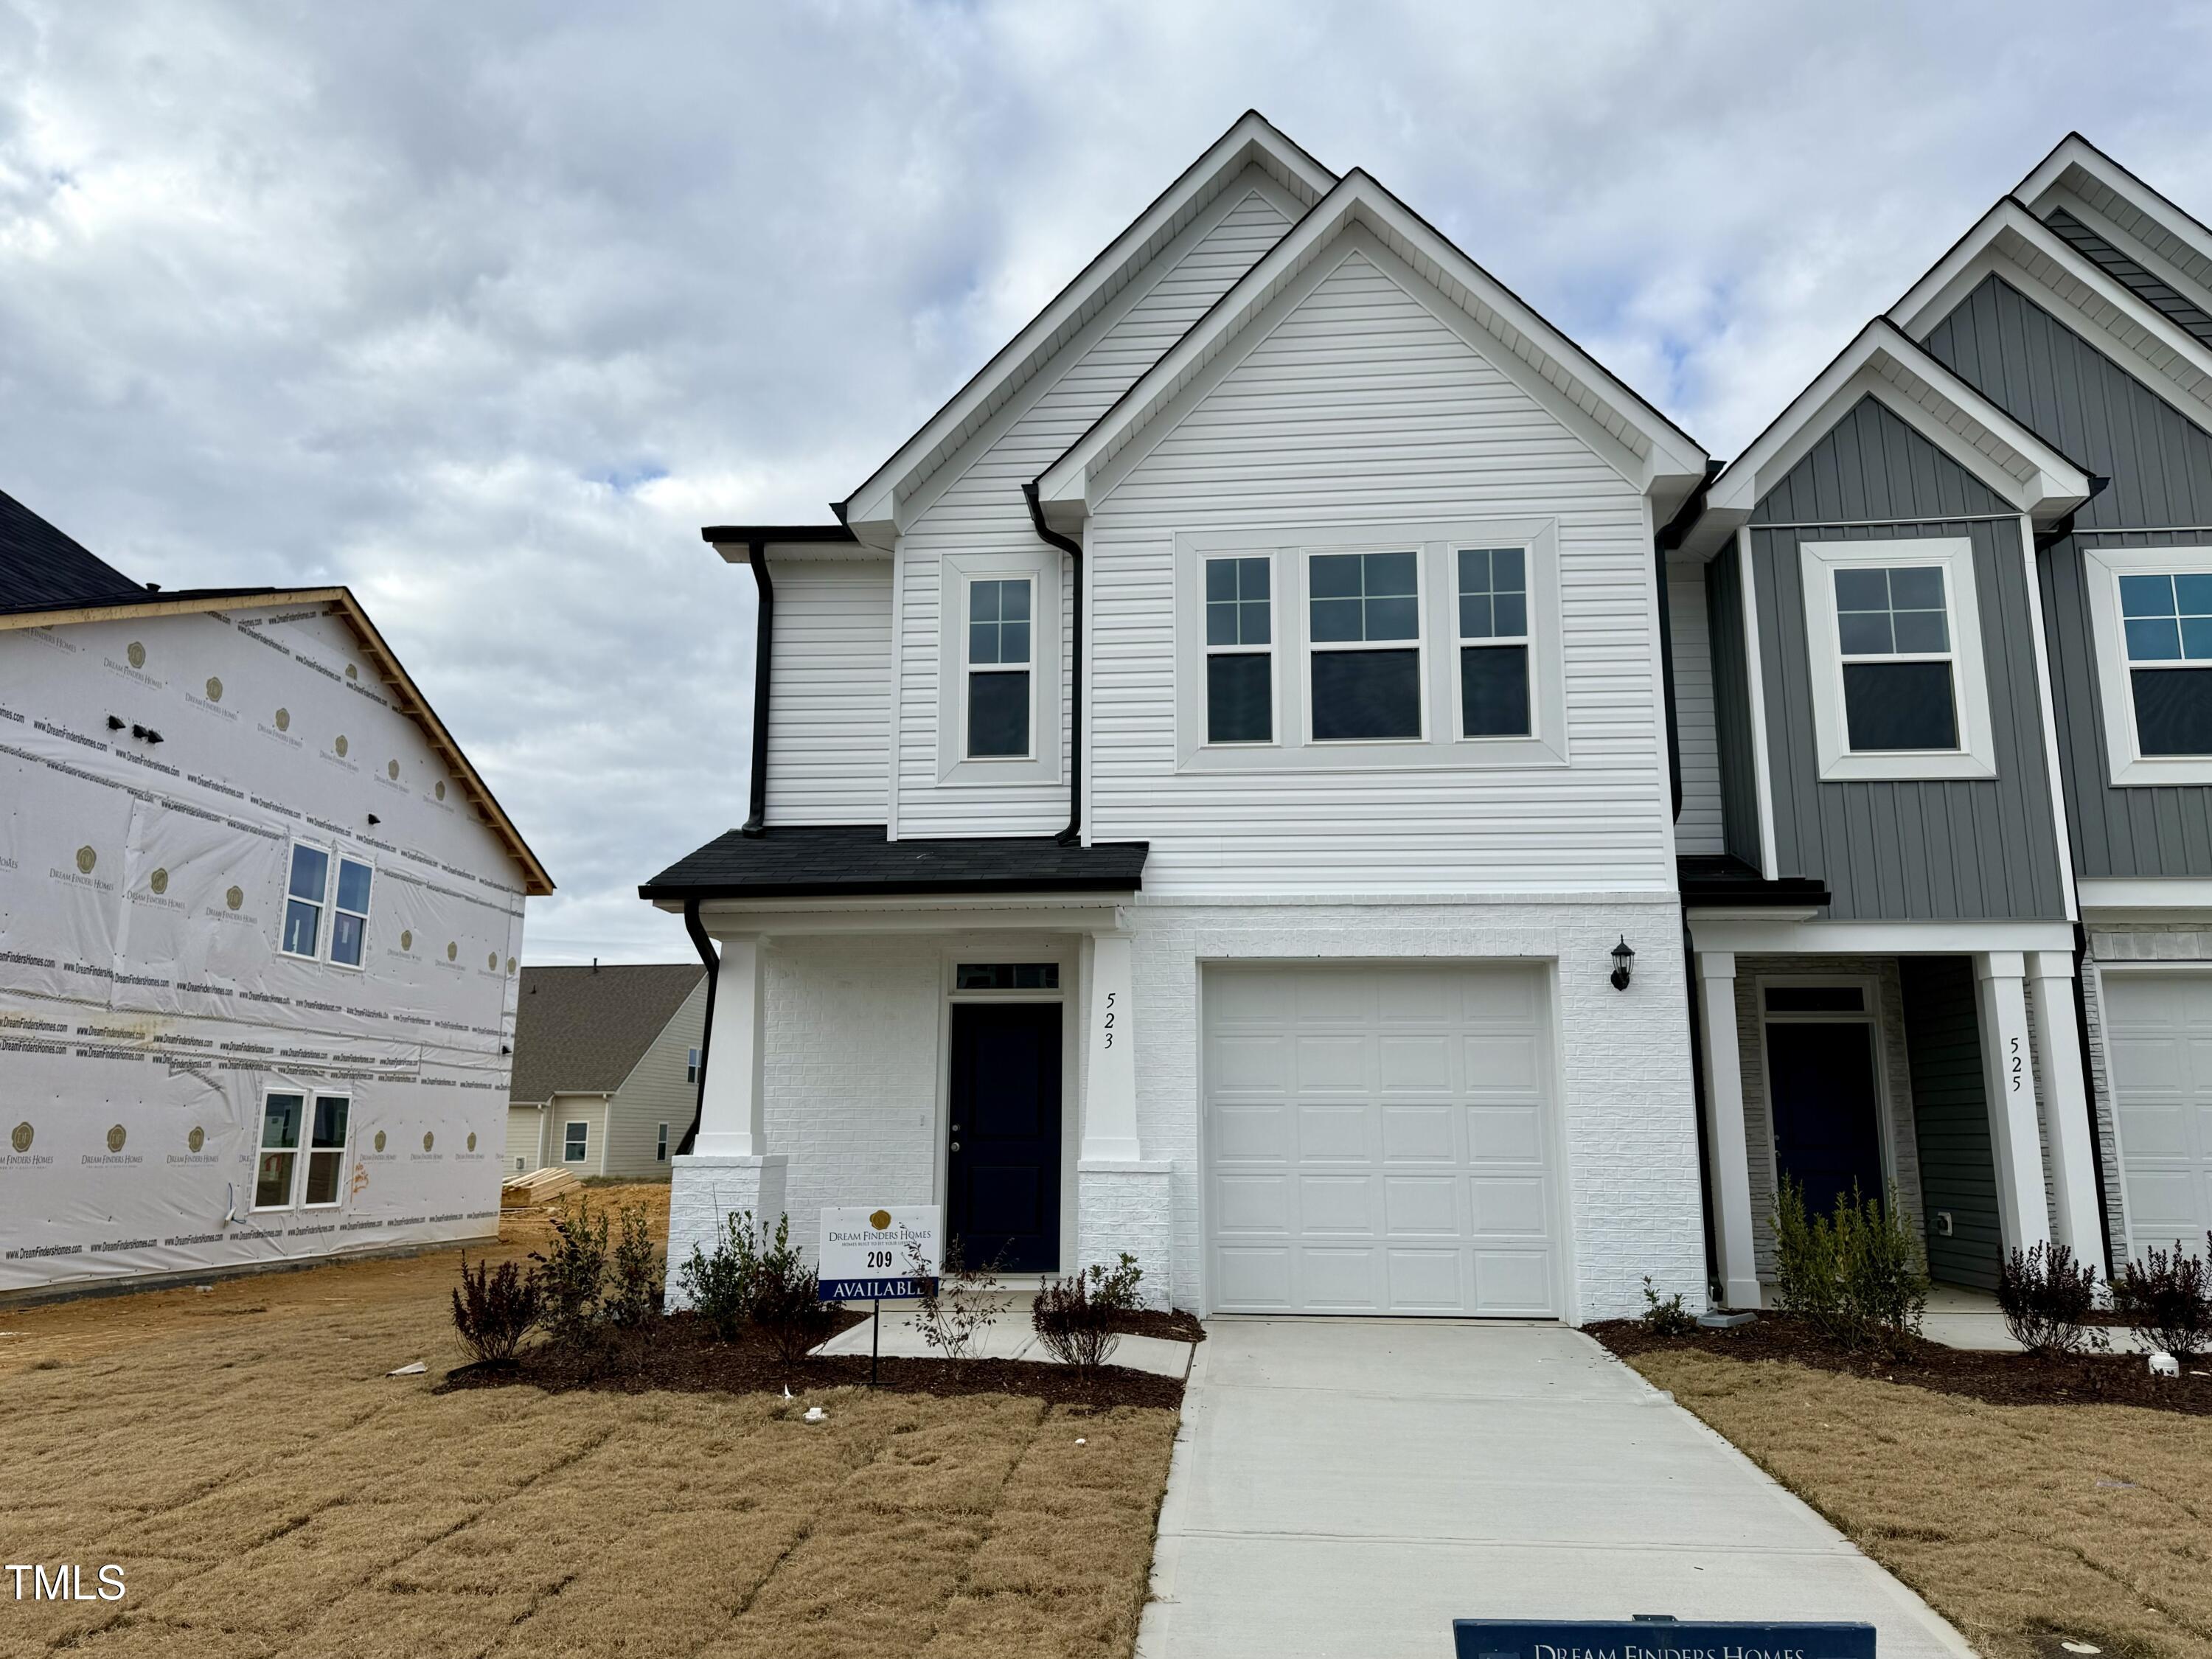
column 326, row 898
column 302, row 1161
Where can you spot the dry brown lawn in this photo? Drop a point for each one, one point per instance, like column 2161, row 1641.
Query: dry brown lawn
column 2019, row 1523
column 268, row 1490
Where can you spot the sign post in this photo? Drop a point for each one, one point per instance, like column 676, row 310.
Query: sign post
column 1655, row 1637
column 890, row 1253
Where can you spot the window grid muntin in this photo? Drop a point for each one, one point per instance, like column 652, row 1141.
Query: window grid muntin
column 2181, row 597
column 1395, row 583
column 1001, row 620
column 1855, row 583
column 1237, row 601
column 1490, row 588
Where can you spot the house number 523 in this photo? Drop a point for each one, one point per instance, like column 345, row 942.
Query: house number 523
column 1110, row 1018
column 2015, row 1064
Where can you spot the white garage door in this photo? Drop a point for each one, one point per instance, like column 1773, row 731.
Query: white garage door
column 1379, row 1141
column 2158, row 1029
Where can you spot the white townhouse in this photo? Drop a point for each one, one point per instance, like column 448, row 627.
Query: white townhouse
column 1208, row 786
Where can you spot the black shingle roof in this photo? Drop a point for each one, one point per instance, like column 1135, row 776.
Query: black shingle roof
column 824, row 862
column 2153, row 290
column 582, row 1030
column 1723, row 878
column 40, row 568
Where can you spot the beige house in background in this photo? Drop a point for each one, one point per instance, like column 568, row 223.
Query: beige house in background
column 605, row 1068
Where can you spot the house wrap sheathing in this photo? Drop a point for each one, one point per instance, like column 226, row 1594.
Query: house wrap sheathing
column 148, row 1012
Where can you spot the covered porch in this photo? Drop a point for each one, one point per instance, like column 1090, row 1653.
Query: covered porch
column 1937, row 1062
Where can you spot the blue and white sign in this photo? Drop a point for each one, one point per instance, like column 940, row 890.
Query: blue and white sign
column 887, row 1253
column 1657, row 1638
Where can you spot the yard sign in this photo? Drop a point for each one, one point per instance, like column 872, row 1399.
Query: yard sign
column 1656, row 1638
column 868, row 1254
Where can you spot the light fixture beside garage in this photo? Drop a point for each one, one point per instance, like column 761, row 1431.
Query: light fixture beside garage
column 1623, row 958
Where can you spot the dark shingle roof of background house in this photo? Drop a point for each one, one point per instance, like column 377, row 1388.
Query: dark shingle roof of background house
column 42, row 568
column 823, row 860
column 581, row 1030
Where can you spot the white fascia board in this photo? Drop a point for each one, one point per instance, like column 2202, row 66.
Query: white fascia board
column 1881, row 938
column 1664, row 457
column 2143, row 898
column 2078, row 169
column 1883, row 362
column 1252, row 141
column 2012, row 242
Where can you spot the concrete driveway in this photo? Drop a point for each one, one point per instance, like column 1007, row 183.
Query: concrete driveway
column 1347, row 1488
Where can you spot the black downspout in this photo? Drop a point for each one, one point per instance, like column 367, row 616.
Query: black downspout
column 1664, row 543
column 756, row 823
column 705, row 947
column 2089, row 1090
column 1715, row 1284
column 1074, row 549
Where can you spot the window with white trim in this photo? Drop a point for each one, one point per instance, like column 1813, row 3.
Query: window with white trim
column 660, row 1144
column 690, row 1064
column 327, row 1144
column 1893, row 644
column 1493, row 642
column 575, row 1140
column 1240, row 657
column 350, row 913
column 2166, row 629
column 306, row 892
column 1364, row 646
column 321, row 924
column 285, row 1121
column 999, row 617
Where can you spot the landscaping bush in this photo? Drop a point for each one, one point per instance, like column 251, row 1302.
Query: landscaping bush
column 2168, row 1296
column 571, row 1271
column 786, row 1305
column 633, row 1295
column 1857, row 1276
column 1076, row 1328
column 961, row 1304
column 1808, row 1269
column 1115, row 1289
column 1667, row 1317
column 494, row 1310
column 720, row 1285
column 2047, row 1299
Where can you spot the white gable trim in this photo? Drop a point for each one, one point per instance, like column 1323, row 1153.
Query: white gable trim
column 2079, row 170
column 1660, row 455
column 2012, row 242
column 1883, row 363
column 1252, row 141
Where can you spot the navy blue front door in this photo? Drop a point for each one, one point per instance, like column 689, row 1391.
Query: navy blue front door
column 1002, row 1185
column 1826, row 1136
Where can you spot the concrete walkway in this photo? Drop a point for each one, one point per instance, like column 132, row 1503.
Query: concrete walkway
column 1347, row 1488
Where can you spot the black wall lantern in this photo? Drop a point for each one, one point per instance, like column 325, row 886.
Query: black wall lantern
column 1622, row 957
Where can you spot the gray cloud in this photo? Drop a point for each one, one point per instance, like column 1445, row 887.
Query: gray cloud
column 484, row 309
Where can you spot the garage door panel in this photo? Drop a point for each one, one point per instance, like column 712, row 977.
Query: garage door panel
column 2163, row 1205
column 2159, row 1034
column 2150, row 1062
column 1401, row 1163
column 2152, row 1131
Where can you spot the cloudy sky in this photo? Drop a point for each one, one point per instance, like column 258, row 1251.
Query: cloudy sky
column 484, row 309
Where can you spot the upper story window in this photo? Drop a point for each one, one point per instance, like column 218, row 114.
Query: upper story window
column 1493, row 642
column 1240, row 657
column 2168, row 627
column 321, row 923
column 999, row 613
column 1893, row 641
column 1364, row 645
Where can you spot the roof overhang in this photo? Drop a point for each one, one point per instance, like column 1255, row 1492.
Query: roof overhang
column 2165, row 239
column 1253, row 140
column 1884, row 363
column 1654, row 453
column 736, row 543
column 2011, row 242
column 405, row 695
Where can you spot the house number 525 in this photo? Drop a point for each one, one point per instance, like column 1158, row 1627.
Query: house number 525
column 1110, row 1018
column 2015, row 1066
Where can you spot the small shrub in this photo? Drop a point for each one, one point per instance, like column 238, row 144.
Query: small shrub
column 1667, row 1317
column 571, row 1271
column 786, row 1301
column 1808, row 1272
column 720, row 1285
column 2046, row 1299
column 960, row 1307
column 1076, row 1328
column 1857, row 1277
column 1115, row 1289
column 634, row 1284
column 2168, row 1296
column 494, row 1310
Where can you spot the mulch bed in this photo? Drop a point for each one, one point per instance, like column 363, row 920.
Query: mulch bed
column 1176, row 1327
column 2001, row 1379
column 679, row 1353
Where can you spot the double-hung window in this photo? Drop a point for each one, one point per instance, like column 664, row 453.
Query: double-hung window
column 660, row 1144
column 1240, row 659
column 998, row 657
column 1364, row 638
column 285, row 1121
column 2166, row 630
column 1493, row 642
column 1893, row 630
column 575, row 1140
column 309, row 895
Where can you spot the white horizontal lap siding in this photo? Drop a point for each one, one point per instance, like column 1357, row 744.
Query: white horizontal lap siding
column 1698, row 828
column 981, row 511
column 829, row 728
column 1361, row 407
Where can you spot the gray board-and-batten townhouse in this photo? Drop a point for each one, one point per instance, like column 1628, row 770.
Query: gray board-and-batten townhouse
column 1202, row 784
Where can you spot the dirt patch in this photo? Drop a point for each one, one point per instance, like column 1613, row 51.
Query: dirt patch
column 2001, row 1379
column 680, row 1354
column 2023, row 1524
column 1175, row 1327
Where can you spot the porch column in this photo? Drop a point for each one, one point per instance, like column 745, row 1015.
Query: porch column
column 2015, row 1143
column 2065, row 1105
column 729, row 1168
column 1728, row 1171
column 1123, row 1198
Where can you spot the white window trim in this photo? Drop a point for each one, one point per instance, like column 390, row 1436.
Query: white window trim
column 1308, row 648
column 308, row 1149
column 1026, row 667
column 1976, row 756
column 261, row 1149
column 333, row 909
column 1046, row 696
column 2103, row 566
column 567, row 1124
column 322, row 904
column 660, row 1143
column 1461, row 643
column 1272, row 651
column 1441, row 748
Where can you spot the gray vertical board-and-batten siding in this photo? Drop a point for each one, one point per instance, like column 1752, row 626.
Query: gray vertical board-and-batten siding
column 2159, row 463
column 1951, row 1120
column 1904, row 849
column 1732, row 707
